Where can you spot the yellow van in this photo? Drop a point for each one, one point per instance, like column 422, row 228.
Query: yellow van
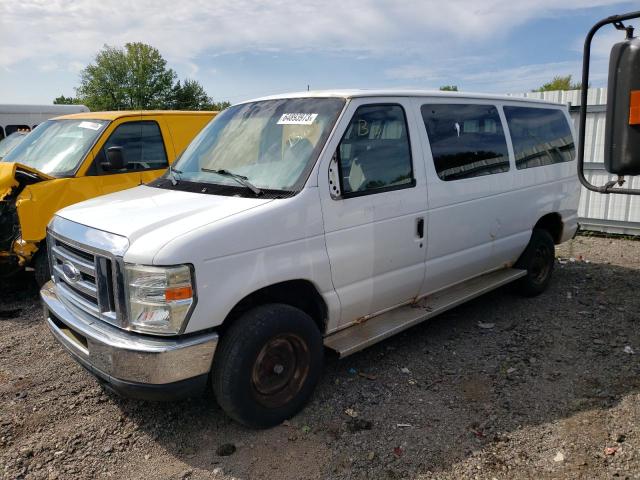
column 75, row 157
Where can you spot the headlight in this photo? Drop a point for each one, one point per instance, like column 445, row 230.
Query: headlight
column 160, row 298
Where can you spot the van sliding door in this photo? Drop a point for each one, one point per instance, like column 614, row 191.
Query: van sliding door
column 469, row 183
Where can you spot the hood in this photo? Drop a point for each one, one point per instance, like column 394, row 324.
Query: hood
column 17, row 175
column 165, row 213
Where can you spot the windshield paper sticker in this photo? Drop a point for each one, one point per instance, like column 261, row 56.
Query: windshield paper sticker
column 297, row 118
column 90, row 125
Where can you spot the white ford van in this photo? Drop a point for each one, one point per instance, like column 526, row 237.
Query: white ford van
column 303, row 221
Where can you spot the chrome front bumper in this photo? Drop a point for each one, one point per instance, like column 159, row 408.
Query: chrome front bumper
column 127, row 361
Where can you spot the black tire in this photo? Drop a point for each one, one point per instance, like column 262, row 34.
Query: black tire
column 10, row 273
column 267, row 365
column 538, row 260
column 42, row 272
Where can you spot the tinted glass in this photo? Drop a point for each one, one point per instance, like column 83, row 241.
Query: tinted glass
column 15, row 128
column 374, row 151
column 273, row 144
column 142, row 145
column 466, row 140
column 540, row 136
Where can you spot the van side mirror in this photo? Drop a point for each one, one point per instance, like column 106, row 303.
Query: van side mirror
column 115, row 159
column 622, row 131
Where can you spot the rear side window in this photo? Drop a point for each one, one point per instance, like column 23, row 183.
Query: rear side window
column 375, row 154
column 540, row 136
column 14, row 128
column 143, row 148
column 466, row 140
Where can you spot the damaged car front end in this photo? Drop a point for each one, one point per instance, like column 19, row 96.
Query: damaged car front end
column 15, row 253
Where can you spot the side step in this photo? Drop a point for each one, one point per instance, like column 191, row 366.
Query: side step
column 362, row 335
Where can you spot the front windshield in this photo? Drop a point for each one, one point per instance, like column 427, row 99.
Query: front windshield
column 9, row 143
column 56, row 147
column 273, row 144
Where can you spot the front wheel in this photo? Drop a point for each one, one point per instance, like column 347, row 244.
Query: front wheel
column 267, row 365
column 538, row 260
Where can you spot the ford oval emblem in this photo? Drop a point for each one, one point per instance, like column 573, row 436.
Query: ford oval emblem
column 71, row 273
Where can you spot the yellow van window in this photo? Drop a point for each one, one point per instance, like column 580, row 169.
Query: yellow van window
column 142, row 145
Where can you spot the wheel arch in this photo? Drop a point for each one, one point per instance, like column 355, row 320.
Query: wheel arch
column 299, row 293
column 553, row 224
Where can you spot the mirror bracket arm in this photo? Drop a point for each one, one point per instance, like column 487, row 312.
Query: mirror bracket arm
column 628, row 28
column 335, row 183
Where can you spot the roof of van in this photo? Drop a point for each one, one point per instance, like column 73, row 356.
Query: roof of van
column 54, row 109
column 401, row 93
column 132, row 113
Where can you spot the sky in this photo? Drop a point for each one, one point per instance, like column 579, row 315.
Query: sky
column 239, row 49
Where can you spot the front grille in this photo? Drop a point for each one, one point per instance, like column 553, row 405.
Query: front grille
column 85, row 279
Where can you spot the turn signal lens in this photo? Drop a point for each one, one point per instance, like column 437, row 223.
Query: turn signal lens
column 178, row 293
column 634, row 108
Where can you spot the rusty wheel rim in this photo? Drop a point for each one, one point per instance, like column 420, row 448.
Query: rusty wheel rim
column 280, row 370
column 541, row 264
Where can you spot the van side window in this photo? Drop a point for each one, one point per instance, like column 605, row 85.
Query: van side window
column 466, row 140
column 375, row 153
column 143, row 148
column 14, row 128
column 540, row 136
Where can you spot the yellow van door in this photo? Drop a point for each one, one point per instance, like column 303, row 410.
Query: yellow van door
column 143, row 149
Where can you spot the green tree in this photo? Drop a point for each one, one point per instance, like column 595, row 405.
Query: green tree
column 449, row 88
column 219, row 106
column 62, row 100
column 190, row 96
column 559, row 83
column 135, row 77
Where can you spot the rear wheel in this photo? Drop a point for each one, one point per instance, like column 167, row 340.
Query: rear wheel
column 538, row 260
column 267, row 365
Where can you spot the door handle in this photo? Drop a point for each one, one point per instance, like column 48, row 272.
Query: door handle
column 420, row 227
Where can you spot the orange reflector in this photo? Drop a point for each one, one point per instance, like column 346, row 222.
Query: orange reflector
column 178, row 293
column 634, row 108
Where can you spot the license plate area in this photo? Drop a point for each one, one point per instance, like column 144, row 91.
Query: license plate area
column 80, row 341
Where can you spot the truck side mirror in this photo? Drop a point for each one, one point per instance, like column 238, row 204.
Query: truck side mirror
column 115, row 159
column 622, row 131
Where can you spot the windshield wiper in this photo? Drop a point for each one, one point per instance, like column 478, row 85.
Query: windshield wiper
column 176, row 175
column 244, row 181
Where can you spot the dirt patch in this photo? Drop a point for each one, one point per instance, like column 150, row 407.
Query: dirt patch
column 551, row 390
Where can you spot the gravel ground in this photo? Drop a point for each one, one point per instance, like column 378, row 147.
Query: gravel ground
column 502, row 387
